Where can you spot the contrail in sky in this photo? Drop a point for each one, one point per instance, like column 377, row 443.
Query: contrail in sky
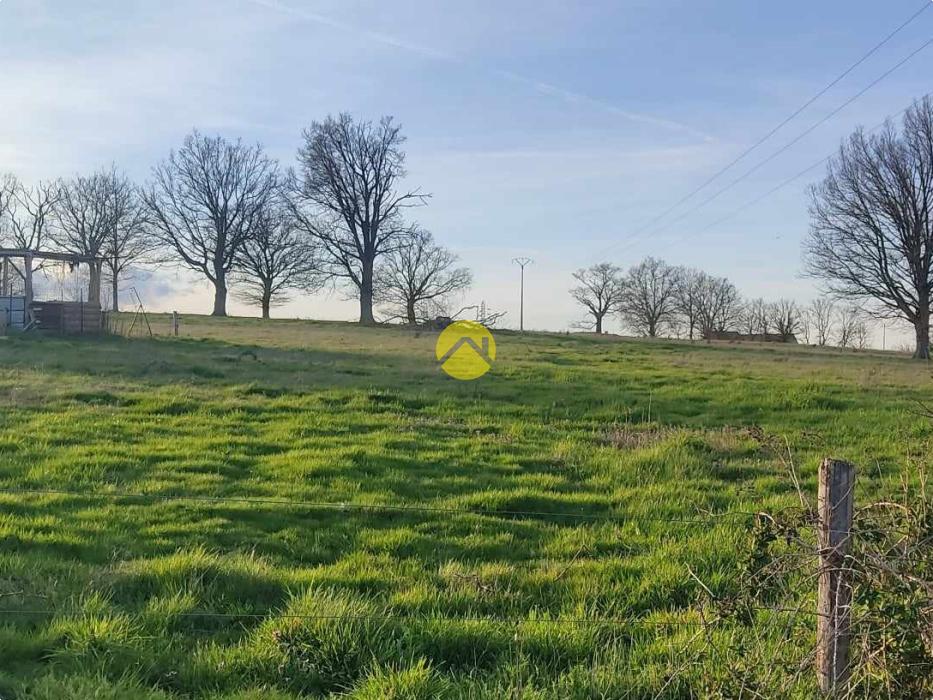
column 539, row 86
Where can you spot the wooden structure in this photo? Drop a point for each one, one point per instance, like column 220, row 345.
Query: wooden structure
column 21, row 311
column 836, row 502
column 67, row 316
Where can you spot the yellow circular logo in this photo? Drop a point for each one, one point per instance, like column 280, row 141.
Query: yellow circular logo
column 466, row 350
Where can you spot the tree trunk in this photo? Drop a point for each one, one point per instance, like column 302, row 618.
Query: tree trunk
column 366, row 294
column 115, row 287
column 266, row 303
column 599, row 324
column 93, row 289
column 922, row 327
column 410, row 312
column 220, row 296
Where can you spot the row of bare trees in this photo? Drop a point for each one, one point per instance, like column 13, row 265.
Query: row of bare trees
column 870, row 244
column 826, row 322
column 233, row 215
column 98, row 215
column 655, row 299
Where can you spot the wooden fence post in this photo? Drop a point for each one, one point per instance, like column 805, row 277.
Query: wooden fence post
column 175, row 323
column 28, row 316
column 835, row 498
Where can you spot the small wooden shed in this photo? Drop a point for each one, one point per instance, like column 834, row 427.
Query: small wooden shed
column 21, row 311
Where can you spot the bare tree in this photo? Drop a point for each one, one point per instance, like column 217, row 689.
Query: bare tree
column 806, row 327
column 861, row 333
column 785, row 318
column 30, row 213
column 850, row 326
column 646, row 299
column 598, row 291
column 26, row 214
column 688, row 293
column 130, row 240
column 871, row 235
column 756, row 317
column 418, row 277
column 821, row 315
column 88, row 211
column 276, row 260
column 719, row 305
column 204, row 201
column 8, row 185
column 347, row 197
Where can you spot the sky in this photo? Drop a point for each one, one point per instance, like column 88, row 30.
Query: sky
column 557, row 130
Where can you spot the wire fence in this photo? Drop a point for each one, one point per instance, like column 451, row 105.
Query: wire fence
column 777, row 606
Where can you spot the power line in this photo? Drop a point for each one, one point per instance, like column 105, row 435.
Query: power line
column 784, row 183
column 781, row 124
column 417, row 508
column 784, row 148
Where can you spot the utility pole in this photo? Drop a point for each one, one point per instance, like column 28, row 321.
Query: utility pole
column 522, row 262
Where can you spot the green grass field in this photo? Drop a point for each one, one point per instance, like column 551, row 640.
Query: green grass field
column 534, row 528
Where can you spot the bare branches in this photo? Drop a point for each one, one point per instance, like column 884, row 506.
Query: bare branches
column 871, row 236
column 647, row 298
column 718, row 304
column 654, row 298
column 8, row 186
column 786, row 318
column 481, row 314
column 889, row 566
column 599, row 291
column 29, row 212
column 91, row 215
column 821, row 316
column 86, row 211
column 347, row 197
column 756, row 317
column 130, row 240
column 278, row 258
column 688, row 297
column 204, row 201
column 852, row 329
column 419, row 277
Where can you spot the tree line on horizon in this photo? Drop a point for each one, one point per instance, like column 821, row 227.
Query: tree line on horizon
column 227, row 211
column 654, row 299
column 870, row 244
column 239, row 219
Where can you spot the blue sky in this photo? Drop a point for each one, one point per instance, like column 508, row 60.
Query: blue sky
column 549, row 129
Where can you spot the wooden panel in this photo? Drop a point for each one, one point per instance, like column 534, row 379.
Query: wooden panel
column 68, row 317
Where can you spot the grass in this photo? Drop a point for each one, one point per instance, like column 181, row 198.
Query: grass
column 102, row 586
